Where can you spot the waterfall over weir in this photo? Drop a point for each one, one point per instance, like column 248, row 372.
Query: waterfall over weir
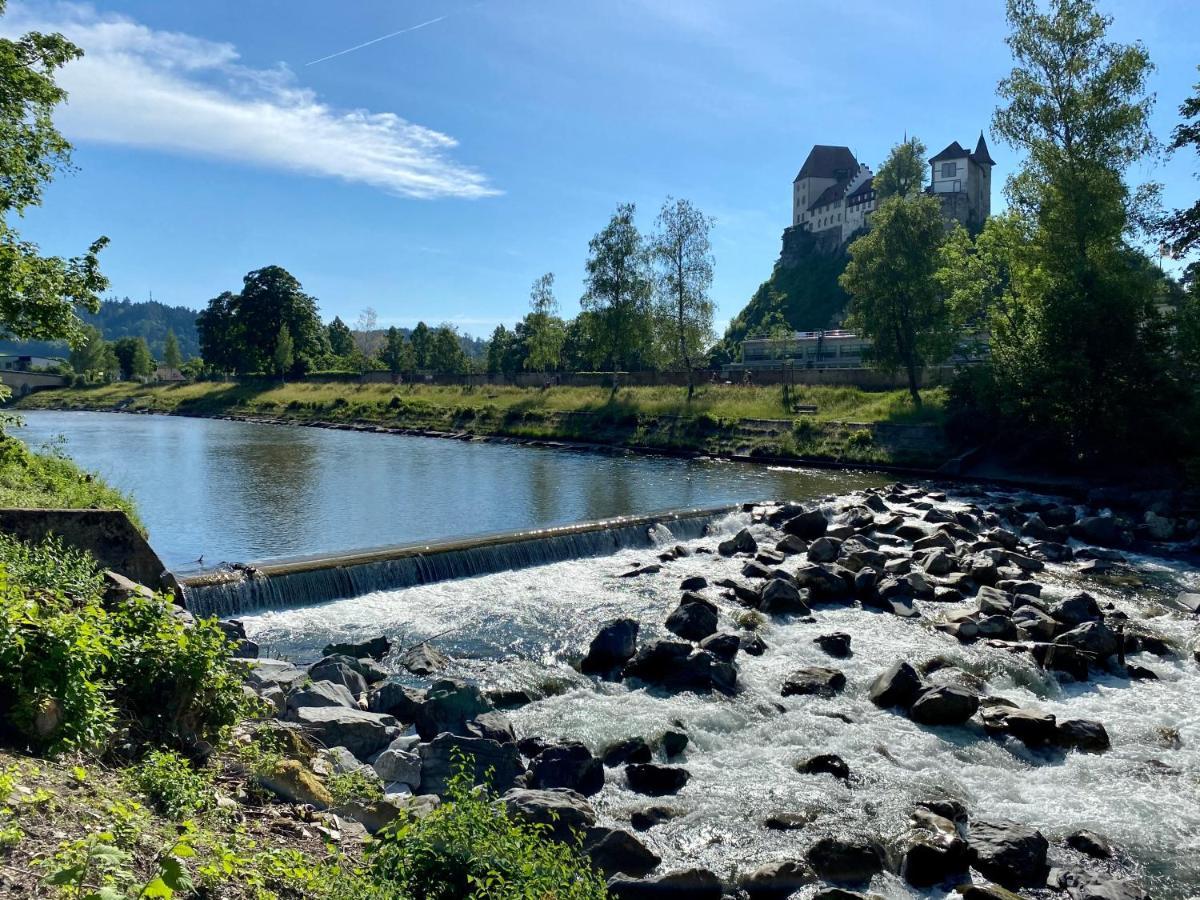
column 299, row 582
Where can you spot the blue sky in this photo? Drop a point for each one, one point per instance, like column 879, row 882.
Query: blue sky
column 433, row 175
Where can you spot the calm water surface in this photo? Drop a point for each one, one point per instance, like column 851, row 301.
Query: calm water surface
column 239, row 492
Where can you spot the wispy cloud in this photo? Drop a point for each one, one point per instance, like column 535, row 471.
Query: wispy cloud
column 137, row 86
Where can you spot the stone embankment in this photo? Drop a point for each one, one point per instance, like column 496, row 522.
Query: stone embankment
column 971, row 571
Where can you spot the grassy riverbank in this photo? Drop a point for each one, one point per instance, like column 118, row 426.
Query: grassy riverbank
column 849, row 424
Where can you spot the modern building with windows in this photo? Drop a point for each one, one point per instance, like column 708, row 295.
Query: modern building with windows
column 833, row 349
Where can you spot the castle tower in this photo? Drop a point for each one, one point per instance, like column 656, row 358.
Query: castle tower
column 962, row 181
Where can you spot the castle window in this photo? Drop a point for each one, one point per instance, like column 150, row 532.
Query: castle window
column 949, row 169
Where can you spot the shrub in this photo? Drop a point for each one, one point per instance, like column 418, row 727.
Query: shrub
column 72, row 669
column 354, row 787
column 470, row 847
column 861, row 438
column 175, row 788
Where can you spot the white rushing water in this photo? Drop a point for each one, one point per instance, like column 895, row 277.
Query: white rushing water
column 521, row 630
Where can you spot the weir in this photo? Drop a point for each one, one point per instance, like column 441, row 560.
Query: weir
column 317, row 579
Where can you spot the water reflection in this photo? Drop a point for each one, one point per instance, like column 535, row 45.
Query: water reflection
column 237, row 492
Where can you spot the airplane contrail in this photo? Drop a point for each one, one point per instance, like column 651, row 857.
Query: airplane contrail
column 377, row 40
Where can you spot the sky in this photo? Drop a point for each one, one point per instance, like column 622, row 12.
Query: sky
column 430, row 158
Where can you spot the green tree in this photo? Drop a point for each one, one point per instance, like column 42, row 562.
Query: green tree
column 546, row 330
column 446, row 354
column 618, row 292
column 397, row 353
column 172, row 358
column 1182, row 228
column 270, row 298
column 420, row 340
column 220, row 333
column 39, row 295
column 498, row 349
column 683, row 252
column 133, row 357
column 1077, row 347
column 283, row 355
column 88, row 356
column 341, row 341
column 903, row 173
column 894, row 300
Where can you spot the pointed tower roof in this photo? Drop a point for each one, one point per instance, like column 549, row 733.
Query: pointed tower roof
column 954, row 151
column 981, row 155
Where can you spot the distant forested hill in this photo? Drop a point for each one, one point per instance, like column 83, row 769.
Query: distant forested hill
column 127, row 318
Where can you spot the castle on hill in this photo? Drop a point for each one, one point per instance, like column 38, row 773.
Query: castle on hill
column 833, row 196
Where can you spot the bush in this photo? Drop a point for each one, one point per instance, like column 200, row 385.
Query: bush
column 355, row 787
column 862, row 437
column 73, row 670
column 470, row 847
column 173, row 786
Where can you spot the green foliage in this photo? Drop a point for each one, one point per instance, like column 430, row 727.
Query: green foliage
column 397, row 353
column 100, row 867
column 683, row 277
column 618, row 294
column 545, row 331
column 470, row 847
column 341, row 341
column 38, row 294
column 903, row 172
column 1182, row 228
column 50, row 480
column 176, row 789
column 172, row 358
column 282, row 355
column 72, row 669
column 133, row 355
column 894, row 298
column 359, row 786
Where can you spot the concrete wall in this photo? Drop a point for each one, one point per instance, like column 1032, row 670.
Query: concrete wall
column 105, row 533
column 22, row 383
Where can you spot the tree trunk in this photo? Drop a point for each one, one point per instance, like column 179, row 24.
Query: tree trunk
column 913, row 386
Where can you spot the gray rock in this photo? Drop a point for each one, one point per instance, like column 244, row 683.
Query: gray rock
column 692, row 884
column 613, row 646
column 376, row 648
column 617, row 852
column 1086, row 735
column 693, row 583
column 742, row 542
column 694, row 619
column 397, row 765
column 264, row 672
column 321, row 693
column 423, row 660
column 362, row 733
column 647, row 818
column 1095, row 639
column 944, row 705
column 567, row 814
column 634, row 750
column 1090, row 844
column 1076, row 610
column 791, row 545
column 824, row 550
column 898, row 685
column 1009, row 854
column 780, row 597
column 824, row 764
column 438, row 762
column 494, row 726
column 340, row 670
column 722, row 645
column 777, row 880
column 449, row 705
column 656, row 780
column 808, row 525
column 836, row 644
column 846, row 860
column 814, row 680
column 570, row 766
column 396, row 700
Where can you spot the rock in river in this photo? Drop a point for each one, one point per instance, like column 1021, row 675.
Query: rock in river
column 816, row 680
column 656, row 780
column 612, row 647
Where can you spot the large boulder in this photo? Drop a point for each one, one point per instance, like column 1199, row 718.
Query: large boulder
column 946, row 704
column 777, row 880
column 742, row 542
column 931, row 857
column 846, row 860
column 1095, row 639
column 501, row 763
column 423, row 660
column 814, row 680
column 822, row 583
column 836, row 644
column 612, row 647
column 1086, row 735
column 781, row 597
column 362, row 733
column 694, row 619
column 570, row 766
column 1104, row 531
column 656, row 780
column 341, row 670
column 1009, row 854
column 449, row 705
column 617, row 852
column 898, row 685
column 321, row 693
column 567, row 814
column 824, row 550
column 631, row 750
column 395, row 699
column 675, row 666
column 294, row 782
column 401, row 766
column 376, row 648
column 807, row 525
column 266, row 673
column 689, row 884
column 1076, row 610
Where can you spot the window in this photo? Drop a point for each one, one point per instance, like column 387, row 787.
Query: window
column 949, row 169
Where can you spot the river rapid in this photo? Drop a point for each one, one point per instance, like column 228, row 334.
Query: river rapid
column 527, row 630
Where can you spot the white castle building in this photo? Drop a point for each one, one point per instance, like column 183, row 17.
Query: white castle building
column 833, row 196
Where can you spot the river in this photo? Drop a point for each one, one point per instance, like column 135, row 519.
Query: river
column 241, row 492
